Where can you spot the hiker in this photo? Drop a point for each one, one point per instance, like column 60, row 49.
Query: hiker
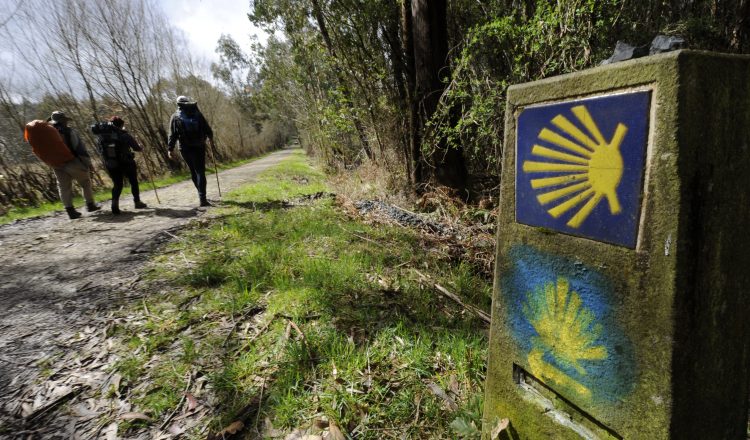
column 78, row 169
column 190, row 127
column 115, row 145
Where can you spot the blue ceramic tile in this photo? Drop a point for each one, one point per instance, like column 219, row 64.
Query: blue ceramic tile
column 579, row 166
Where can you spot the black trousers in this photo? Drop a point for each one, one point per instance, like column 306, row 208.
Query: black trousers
column 119, row 173
column 195, row 158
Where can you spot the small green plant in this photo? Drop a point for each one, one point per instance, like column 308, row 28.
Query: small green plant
column 468, row 423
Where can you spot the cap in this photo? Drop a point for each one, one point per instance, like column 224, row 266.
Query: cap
column 182, row 100
column 58, row 117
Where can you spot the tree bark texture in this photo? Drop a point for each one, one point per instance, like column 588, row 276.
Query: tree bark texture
column 430, row 36
column 407, row 40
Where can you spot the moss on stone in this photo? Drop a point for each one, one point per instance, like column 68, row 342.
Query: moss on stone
column 680, row 295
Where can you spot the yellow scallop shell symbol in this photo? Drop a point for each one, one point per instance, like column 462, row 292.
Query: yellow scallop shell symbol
column 566, row 330
column 585, row 167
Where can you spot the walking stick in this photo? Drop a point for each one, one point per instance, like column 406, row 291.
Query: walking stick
column 151, row 178
column 150, row 175
column 216, row 168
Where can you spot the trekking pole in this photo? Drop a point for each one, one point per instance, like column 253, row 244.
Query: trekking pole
column 150, row 176
column 216, row 168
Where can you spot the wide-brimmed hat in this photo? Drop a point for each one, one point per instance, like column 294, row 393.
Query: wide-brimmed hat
column 58, row 117
column 184, row 100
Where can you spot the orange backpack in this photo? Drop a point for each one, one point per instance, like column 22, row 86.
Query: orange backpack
column 47, row 144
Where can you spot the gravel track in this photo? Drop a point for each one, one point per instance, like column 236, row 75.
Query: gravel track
column 59, row 276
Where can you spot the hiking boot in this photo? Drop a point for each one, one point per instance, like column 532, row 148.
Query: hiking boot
column 140, row 205
column 115, row 207
column 205, row 202
column 91, row 207
column 72, row 213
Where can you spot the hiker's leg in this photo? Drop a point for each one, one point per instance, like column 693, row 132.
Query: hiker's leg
column 117, row 180
column 131, row 172
column 64, row 186
column 88, row 190
column 81, row 174
column 189, row 156
column 200, row 168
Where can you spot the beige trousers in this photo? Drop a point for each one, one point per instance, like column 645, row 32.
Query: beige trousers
column 66, row 174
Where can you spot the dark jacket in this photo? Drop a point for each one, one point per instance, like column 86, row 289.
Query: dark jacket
column 129, row 140
column 177, row 129
column 124, row 143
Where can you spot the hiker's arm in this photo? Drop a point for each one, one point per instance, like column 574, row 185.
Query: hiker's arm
column 173, row 129
column 209, row 132
column 132, row 143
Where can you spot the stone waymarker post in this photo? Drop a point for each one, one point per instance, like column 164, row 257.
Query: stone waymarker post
column 622, row 288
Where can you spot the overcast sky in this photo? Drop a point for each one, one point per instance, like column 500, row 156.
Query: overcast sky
column 203, row 22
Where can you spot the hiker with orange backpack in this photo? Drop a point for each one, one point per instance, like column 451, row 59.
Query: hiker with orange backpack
column 60, row 147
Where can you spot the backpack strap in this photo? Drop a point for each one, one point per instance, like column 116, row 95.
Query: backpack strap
column 65, row 132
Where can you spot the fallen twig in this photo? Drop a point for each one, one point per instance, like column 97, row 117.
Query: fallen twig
column 253, row 310
column 302, row 335
column 176, row 408
column 257, row 335
column 481, row 314
column 299, row 332
column 301, row 318
column 262, row 390
column 55, row 403
column 173, row 236
column 439, row 392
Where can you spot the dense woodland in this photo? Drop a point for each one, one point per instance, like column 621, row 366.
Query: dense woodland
column 414, row 88
column 417, row 87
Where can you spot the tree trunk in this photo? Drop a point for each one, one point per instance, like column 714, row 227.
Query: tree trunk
column 407, row 39
column 430, row 30
column 394, row 37
column 740, row 29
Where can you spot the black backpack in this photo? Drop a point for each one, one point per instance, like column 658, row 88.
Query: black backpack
column 111, row 144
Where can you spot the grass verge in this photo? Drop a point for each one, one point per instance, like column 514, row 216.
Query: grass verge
column 24, row 212
column 299, row 317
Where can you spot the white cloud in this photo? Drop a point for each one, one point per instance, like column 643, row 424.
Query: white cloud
column 204, row 21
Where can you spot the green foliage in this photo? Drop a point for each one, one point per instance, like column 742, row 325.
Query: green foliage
column 495, row 44
column 237, row 73
column 560, row 37
column 466, row 429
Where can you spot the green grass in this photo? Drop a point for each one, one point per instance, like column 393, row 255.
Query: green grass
column 372, row 336
column 23, row 212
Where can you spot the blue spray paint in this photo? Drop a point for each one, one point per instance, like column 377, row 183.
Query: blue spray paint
column 561, row 317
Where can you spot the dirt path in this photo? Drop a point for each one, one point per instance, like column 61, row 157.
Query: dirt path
column 60, row 277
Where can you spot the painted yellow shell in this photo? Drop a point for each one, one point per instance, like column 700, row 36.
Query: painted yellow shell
column 588, row 168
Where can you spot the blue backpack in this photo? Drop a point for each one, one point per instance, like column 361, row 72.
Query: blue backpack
column 191, row 127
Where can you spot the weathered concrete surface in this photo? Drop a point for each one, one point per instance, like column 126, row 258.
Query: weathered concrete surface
column 659, row 346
